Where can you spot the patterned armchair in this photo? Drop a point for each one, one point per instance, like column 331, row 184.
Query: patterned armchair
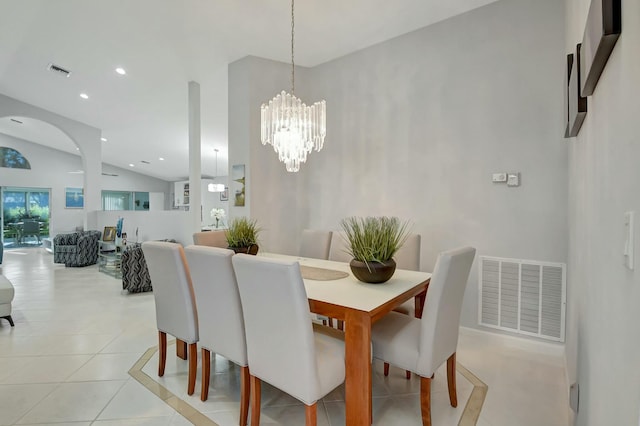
column 135, row 274
column 77, row 248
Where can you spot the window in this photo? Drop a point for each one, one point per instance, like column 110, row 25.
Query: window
column 125, row 200
column 12, row 159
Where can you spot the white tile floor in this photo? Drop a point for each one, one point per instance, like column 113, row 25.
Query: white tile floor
column 76, row 336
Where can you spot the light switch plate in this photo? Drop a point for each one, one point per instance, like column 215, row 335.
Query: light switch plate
column 499, row 177
column 513, row 179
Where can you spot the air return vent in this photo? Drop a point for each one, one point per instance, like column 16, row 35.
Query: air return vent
column 523, row 296
column 59, row 70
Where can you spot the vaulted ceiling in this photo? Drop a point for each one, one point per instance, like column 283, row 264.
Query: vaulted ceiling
column 163, row 44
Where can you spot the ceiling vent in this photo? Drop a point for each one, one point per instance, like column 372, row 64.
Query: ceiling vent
column 59, row 70
column 145, row 162
column 15, row 121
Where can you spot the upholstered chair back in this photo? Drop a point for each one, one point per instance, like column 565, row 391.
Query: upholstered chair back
column 338, row 251
column 315, row 244
column 408, row 257
column 280, row 340
column 211, row 239
column 220, row 321
column 172, row 290
column 441, row 317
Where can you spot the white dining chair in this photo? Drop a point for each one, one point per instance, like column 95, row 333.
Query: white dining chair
column 291, row 357
column 408, row 257
column 338, row 249
column 315, row 244
column 215, row 238
column 423, row 345
column 220, row 321
column 175, row 304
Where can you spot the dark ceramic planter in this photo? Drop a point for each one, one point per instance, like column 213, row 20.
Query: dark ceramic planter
column 252, row 249
column 375, row 273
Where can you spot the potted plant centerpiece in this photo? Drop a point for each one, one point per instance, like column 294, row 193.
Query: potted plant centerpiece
column 372, row 241
column 242, row 235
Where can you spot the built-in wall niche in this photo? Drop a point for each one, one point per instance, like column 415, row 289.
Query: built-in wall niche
column 125, row 200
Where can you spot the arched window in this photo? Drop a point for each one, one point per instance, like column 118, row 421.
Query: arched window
column 12, row 159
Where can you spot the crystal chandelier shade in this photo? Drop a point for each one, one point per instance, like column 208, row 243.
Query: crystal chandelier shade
column 289, row 125
column 293, row 128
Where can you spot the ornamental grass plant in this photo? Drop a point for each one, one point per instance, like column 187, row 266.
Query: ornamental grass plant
column 374, row 239
column 242, row 232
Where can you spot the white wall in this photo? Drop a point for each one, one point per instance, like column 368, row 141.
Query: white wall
column 151, row 225
column 49, row 169
column 85, row 137
column 211, row 200
column 602, row 332
column 416, row 127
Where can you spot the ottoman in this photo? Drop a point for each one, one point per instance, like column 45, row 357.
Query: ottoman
column 6, row 296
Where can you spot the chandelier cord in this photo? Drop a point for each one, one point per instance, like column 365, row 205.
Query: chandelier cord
column 293, row 65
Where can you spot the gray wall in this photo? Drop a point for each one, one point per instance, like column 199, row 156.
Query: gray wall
column 49, row 169
column 602, row 332
column 416, row 127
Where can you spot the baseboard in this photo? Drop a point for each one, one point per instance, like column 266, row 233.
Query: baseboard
column 524, row 343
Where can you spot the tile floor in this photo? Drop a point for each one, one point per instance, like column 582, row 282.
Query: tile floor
column 66, row 362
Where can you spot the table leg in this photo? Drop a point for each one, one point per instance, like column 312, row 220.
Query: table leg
column 358, row 368
column 419, row 303
column 181, row 349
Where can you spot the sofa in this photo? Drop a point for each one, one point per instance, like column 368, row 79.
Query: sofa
column 6, row 296
column 135, row 274
column 77, row 248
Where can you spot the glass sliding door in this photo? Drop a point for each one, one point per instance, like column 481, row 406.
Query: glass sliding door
column 25, row 215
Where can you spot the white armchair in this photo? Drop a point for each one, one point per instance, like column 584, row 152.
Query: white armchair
column 293, row 358
column 422, row 345
column 220, row 321
column 175, row 303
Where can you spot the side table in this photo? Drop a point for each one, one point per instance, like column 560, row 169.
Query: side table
column 110, row 263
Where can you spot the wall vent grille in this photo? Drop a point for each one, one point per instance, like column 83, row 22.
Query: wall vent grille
column 523, row 296
column 59, row 70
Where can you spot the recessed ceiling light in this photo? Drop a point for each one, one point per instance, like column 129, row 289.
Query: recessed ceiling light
column 121, row 71
column 84, row 96
column 77, row 149
column 103, row 139
column 131, row 165
column 161, row 159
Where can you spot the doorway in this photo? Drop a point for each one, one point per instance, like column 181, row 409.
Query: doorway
column 25, row 216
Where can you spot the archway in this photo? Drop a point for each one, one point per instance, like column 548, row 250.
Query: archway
column 85, row 138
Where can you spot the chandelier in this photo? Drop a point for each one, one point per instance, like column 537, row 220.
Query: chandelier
column 215, row 187
column 289, row 125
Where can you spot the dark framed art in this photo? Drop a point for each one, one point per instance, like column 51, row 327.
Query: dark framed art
column 577, row 105
column 224, row 195
column 603, row 27
column 109, row 233
column 567, row 76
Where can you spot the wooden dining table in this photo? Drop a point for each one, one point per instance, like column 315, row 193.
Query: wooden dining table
column 359, row 305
